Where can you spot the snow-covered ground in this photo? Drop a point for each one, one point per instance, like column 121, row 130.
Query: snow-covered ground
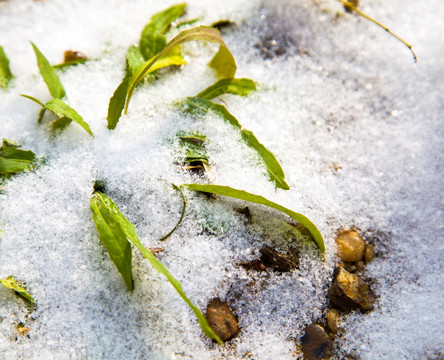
column 356, row 125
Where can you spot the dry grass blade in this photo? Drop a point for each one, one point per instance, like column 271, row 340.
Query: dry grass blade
column 349, row 5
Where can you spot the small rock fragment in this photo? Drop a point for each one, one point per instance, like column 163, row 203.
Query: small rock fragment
column 348, row 8
column 332, row 320
column 71, row 55
column 222, row 25
column 369, row 253
column 349, row 292
column 350, row 246
column 255, row 265
column 316, row 344
column 22, row 330
column 278, row 261
column 221, row 319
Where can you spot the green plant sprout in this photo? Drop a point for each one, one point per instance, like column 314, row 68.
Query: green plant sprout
column 201, row 104
column 11, row 283
column 14, row 160
column 152, row 41
column 116, row 233
column 257, row 199
column 57, row 106
column 193, row 146
column 5, row 72
column 223, row 63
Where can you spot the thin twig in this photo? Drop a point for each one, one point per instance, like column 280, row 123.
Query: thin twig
column 359, row 12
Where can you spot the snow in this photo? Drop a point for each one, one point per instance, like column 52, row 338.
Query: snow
column 356, row 125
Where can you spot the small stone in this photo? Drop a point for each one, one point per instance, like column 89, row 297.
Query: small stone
column 22, row 330
column 369, row 253
column 221, row 319
column 332, row 320
column 349, row 292
column 316, row 344
column 255, row 265
column 278, row 261
column 71, row 55
column 348, row 8
column 350, row 246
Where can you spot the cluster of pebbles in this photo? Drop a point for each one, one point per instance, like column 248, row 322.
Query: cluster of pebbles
column 348, row 292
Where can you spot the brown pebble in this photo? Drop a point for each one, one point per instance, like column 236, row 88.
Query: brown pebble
column 332, row 320
column 369, row 253
column 350, row 246
column 316, row 344
column 349, row 292
column 71, row 55
column 221, row 319
column 22, row 330
column 348, row 8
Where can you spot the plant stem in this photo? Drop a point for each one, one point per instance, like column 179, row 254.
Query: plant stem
column 359, row 12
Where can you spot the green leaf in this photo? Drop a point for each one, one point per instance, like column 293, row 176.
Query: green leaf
column 274, row 169
column 194, row 138
column 12, row 284
column 163, row 19
column 152, row 40
column 119, row 221
column 243, row 195
column 188, row 22
column 200, row 106
column 134, row 59
column 223, row 61
column 112, row 236
column 181, row 215
column 116, row 104
column 167, row 60
column 36, row 101
column 193, row 147
column 117, row 101
column 192, row 159
column 14, row 160
column 242, row 87
column 61, row 123
column 62, row 109
column 5, row 72
column 49, row 75
column 41, row 113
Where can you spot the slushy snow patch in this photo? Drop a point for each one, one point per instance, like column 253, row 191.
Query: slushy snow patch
column 357, row 127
